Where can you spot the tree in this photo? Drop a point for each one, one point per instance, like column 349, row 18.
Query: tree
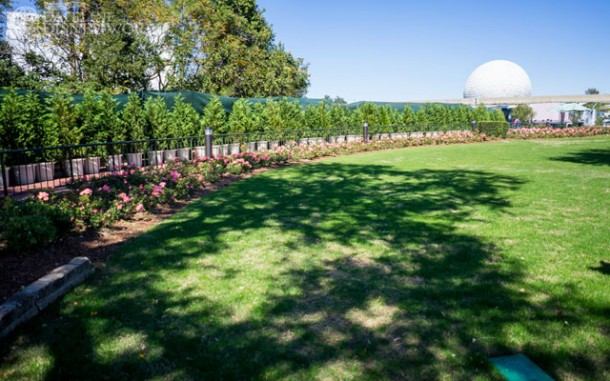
column 591, row 91
column 523, row 112
column 339, row 116
column 481, row 113
column 241, row 118
column 226, row 47
column 61, row 116
column 336, row 100
column 133, row 118
column 89, row 118
column 214, row 116
column 10, row 73
column 158, row 125
column 97, row 44
column 184, row 119
column 408, row 116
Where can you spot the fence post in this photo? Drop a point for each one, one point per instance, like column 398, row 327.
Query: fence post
column 4, row 178
column 474, row 126
column 70, row 161
column 365, row 132
column 208, row 142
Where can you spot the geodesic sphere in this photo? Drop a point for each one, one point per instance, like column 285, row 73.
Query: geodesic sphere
column 498, row 79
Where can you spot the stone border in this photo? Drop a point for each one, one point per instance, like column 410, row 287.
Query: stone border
column 30, row 301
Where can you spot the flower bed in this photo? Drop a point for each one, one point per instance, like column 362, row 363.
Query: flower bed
column 548, row 132
column 95, row 203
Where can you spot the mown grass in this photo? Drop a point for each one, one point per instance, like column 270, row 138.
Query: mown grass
column 407, row 264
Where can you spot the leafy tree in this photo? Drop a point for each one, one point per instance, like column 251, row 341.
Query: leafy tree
column 523, row 112
column 10, row 73
column 241, row 118
column 214, row 116
column 226, row 47
column 591, row 91
column 336, row 100
column 99, row 44
column 133, row 118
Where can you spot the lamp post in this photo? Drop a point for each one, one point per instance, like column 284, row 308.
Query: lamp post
column 208, row 142
column 365, row 132
column 474, row 126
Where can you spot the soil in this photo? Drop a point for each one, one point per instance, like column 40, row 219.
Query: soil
column 17, row 270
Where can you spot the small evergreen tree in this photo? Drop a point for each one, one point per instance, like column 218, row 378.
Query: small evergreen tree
column 339, row 116
column 61, row 116
column 133, row 118
column 408, row 116
column 481, row 113
column 259, row 119
column 158, row 124
column 214, row 116
column 16, row 132
column 44, row 135
column 184, row 119
column 422, row 118
column 89, row 112
column 292, row 115
column 272, row 115
column 108, row 118
column 241, row 118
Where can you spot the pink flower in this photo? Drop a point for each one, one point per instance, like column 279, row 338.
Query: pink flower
column 162, row 184
column 124, row 198
column 119, row 206
column 43, row 196
column 139, row 208
column 106, row 188
column 174, row 176
column 86, row 192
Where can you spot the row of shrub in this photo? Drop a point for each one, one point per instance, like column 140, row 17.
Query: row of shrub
column 95, row 203
column 27, row 121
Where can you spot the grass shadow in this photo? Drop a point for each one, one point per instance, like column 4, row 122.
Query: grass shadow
column 370, row 276
column 596, row 156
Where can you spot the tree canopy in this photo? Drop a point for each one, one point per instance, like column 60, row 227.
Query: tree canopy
column 224, row 47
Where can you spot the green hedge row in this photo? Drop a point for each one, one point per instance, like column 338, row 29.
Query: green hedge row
column 28, row 121
column 493, row 128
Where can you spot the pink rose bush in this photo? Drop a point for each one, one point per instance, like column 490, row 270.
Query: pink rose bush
column 98, row 202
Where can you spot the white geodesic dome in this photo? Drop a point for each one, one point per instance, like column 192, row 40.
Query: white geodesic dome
column 498, row 79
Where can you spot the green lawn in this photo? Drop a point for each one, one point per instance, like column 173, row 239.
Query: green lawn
column 408, row 264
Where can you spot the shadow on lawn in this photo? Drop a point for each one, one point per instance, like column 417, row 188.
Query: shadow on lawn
column 591, row 157
column 427, row 302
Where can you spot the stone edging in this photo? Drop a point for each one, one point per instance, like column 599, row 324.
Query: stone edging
column 28, row 302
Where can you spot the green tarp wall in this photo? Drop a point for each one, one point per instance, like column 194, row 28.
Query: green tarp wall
column 200, row 100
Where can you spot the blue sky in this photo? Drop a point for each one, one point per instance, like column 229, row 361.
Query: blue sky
column 393, row 50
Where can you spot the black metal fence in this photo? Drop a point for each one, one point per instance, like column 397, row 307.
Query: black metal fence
column 24, row 170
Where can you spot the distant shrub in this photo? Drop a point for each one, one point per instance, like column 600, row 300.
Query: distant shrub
column 493, row 128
